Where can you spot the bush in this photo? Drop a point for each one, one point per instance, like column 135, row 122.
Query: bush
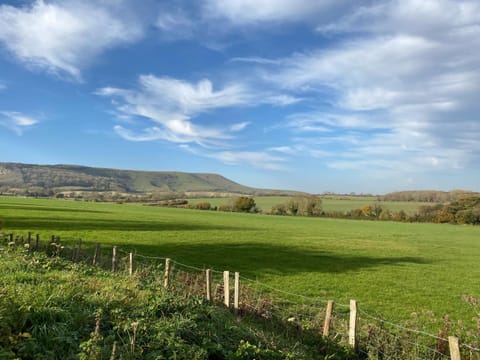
column 203, row 206
column 244, row 204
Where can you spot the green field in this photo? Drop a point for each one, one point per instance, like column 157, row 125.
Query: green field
column 329, row 203
column 391, row 268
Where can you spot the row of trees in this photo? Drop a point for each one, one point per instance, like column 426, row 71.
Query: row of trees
column 431, row 196
column 299, row 206
column 462, row 211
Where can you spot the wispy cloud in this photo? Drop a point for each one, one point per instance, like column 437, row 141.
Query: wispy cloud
column 17, row 122
column 258, row 159
column 173, row 105
column 64, row 37
column 263, row 159
column 175, row 24
column 411, row 90
column 243, row 12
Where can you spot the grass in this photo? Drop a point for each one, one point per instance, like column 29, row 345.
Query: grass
column 53, row 309
column 392, row 269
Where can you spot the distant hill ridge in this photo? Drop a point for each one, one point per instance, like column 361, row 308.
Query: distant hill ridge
column 84, row 178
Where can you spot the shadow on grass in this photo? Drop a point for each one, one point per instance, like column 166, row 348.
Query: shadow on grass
column 253, row 258
column 79, row 224
column 48, row 209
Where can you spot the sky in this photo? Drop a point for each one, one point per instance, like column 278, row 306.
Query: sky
column 319, row 96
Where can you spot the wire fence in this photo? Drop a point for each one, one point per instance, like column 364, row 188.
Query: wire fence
column 372, row 337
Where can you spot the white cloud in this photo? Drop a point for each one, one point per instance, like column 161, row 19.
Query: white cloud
column 258, row 159
column 16, row 121
column 175, row 25
column 171, row 104
column 408, row 95
column 318, row 121
column 239, row 126
column 64, row 37
column 262, row 159
column 244, row 12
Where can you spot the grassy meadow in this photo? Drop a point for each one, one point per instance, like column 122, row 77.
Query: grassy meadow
column 392, row 269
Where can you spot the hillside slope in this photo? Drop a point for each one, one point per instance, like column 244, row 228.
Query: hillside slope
column 83, row 178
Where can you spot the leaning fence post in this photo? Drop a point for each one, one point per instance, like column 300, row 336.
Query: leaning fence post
column 208, row 278
column 328, row 318
column 114, row 259
column 130, row 264
column 454, row 348
column 97, row 254
column 226, row 288
column 236, row 294
column 352, row 329
column 166, row 277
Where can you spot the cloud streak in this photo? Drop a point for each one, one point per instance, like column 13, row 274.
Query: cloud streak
column 17, row 122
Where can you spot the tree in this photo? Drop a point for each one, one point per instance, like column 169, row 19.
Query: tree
column 244, row 204
column 311, row 206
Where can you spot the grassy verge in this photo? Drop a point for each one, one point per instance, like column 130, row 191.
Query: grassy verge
column 54, row 309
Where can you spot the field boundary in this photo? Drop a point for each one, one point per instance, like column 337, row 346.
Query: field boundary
column 368, row 335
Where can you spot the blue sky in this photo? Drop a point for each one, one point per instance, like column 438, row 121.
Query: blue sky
column 343, row 96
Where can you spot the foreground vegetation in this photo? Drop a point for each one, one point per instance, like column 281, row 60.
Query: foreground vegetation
column 54, row 309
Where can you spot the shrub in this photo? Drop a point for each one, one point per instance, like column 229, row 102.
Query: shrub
column 244, row 204
column 203, row 206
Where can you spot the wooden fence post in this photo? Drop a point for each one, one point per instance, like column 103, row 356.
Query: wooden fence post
column 10, row 237
column 114, row 259
column 97, row 253
column 236, row 294
column 166, row 277
column 328, row 318
column 130, row 264
column 79, row 251
column 37, row 241
column 208, row 278
column 29, row 241
column 454, row 348
column 352, row 329
column 226, row 288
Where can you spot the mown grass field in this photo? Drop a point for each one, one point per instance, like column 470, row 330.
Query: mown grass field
column 392, row 269
column 329, row 203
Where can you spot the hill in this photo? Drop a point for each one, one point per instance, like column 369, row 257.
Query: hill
column 17, row 177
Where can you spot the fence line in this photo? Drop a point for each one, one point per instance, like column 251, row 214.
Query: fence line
column 264, row 305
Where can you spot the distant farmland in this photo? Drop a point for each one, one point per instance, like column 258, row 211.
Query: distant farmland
column 330, row 203
column 390, row 268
